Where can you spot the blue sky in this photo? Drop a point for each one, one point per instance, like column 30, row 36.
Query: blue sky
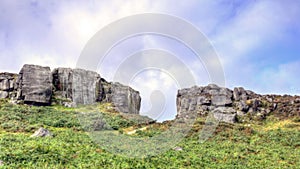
column 258, row 42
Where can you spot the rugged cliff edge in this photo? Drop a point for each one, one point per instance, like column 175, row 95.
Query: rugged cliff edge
column 70, row 87
column 38, row 85
column 230, row 105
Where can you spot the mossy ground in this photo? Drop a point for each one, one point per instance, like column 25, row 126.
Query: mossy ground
column 269, row 144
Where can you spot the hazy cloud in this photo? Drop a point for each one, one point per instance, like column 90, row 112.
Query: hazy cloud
column 255, row 40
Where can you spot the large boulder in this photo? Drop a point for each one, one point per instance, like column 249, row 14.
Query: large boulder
column 35, row 84
column 3, row 94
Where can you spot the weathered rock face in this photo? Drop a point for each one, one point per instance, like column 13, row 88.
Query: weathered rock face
column 227, row 105
column 62, row 82
column 69, row 87
column 86, row 87
column 35, row 84
column 228, row 118
column 201, row 100
column 78, row 85
column 126, row 99
column 7, row 85
column 123, row 97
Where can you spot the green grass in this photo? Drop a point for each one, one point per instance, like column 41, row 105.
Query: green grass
column 270, row 144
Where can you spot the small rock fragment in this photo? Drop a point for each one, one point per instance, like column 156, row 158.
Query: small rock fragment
column 41, row 132
column 177, row 149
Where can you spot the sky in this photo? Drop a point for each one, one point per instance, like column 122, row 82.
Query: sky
column 257, row 42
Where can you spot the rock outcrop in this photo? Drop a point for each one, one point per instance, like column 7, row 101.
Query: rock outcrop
column 123, row 97
column 35, row 84
column 41, row 132
column 62, row 82
column 70, row 87
column 77, row 85
column 87, row 87
column 227, row 105
column 8, row 85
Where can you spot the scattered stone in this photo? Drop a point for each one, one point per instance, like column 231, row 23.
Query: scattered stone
column 69, row 104
column 3, row 94
column 177, row 149
column 41, row 132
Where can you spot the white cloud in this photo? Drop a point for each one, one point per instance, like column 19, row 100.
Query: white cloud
column 260, row 22
column 148, row 83
column 53, row 33
column 255, row 26
column 282, row 79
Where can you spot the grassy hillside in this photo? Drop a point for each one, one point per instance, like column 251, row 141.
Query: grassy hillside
column 268, row 144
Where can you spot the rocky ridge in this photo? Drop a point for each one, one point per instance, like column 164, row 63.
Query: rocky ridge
column 37, row 85
column 228, row 105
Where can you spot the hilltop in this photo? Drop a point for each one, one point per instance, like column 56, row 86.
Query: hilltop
column 255, row 131
column 271, row 143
